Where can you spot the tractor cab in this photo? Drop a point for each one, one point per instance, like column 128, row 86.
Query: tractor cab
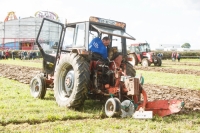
column 140, row 48
column 55, row 39
column 144, row 47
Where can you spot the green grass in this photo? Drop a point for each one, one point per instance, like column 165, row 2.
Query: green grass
column 170, row 79
column 183, row 61
column 21, row 63
column 19, row 112
column 181, row 67
column 17, row 106
column 175, row 124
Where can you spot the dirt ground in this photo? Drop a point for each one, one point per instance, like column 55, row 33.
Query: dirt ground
column 191, row 97
column 20, row 73
column 169, row 70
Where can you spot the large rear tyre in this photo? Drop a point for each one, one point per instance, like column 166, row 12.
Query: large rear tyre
column 38, row 86
column 145, row 62
column 159, row 61
column 71, row 81
column 134, row 60
column 130, row 71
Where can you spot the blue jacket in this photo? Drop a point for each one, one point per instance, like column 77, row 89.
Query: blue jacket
column 97, row 46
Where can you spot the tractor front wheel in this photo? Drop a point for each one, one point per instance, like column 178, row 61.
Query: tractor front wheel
column 71, row 81
column 112, row 107
column 38, row 86
column 134, row 60
column 145, row 62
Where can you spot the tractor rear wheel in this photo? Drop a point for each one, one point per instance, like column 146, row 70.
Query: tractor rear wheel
column 159, row 61
column 134, row 60
column 38, row 86
column 71, row 81
column 145, row 62
column 130, row 71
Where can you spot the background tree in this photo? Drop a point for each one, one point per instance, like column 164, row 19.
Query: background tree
column 186, row 45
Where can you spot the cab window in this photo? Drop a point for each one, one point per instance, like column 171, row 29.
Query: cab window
column 79, row 35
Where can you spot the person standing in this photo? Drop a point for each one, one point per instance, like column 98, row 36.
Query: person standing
column 173, row 56
column 0, row 55
column 22, row 55
column 34, row 55
column 25, row 55
column 178, row 56
column 13, row 54
column 7, row 54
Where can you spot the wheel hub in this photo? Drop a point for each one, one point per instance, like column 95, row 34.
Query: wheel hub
column 111, row 107
column 69, row 82
column 36, row 88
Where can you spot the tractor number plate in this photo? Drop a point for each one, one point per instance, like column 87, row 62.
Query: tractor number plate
column 143, row 115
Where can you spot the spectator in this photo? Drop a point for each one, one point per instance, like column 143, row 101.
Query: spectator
column 25, row 55
column 173, row 56
column 6, row 54
column 0, row 55
column 22, row 55
column 178, row 56
column 13, row 54
column 30, row 55
column 19, row 55
column 34, row 55
column 3, row 54
column 161, row 55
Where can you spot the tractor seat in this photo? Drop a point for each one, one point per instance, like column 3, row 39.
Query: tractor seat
column 113, row 53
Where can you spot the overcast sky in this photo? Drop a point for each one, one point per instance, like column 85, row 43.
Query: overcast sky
column 154, row 21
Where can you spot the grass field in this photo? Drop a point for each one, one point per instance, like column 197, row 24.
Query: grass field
column 185, row 61
column 19, row 112
column 170, row 79
column 181, row 67
column 27, row 63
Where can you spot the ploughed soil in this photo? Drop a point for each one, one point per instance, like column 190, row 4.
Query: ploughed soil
column 155, row 92
column 169, row 70
column 22, row 74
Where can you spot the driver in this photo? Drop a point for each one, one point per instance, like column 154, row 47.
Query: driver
column 101, row 47
column 116, row 57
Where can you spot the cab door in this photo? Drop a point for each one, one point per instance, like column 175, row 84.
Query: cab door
column 49, row 41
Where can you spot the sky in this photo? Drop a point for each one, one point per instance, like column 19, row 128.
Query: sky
column 155, row 21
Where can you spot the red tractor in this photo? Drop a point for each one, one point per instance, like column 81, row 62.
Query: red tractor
column 75, row 73
column 140, row 53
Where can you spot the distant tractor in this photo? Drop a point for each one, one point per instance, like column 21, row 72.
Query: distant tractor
column 76, row 72
column 140, row 53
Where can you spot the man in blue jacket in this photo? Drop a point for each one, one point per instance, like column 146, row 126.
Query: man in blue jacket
column 101, row 47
